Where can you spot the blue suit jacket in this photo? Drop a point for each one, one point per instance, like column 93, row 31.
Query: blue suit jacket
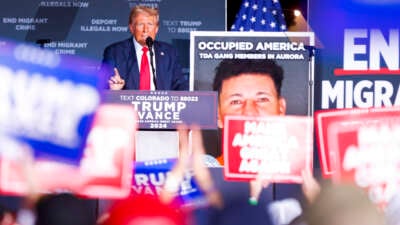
column 122, row 55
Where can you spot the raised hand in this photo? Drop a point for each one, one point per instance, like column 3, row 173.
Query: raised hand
column 256, row 187
column 310, row 186
column 116, row 82
column 201, row 173
column 191, row 158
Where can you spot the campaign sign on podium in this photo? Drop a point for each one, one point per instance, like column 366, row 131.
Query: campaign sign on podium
column 365, row 145
column 105, row 169
column 277, row 148
column 168, row 109
column 47, row 101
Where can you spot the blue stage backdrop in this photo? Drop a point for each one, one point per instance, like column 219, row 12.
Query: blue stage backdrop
column 85, row 27
column 357, row 60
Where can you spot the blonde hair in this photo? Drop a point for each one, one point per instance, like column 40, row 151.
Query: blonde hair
column 140, row 9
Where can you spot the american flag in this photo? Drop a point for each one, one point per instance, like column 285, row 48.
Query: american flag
column 260, row 15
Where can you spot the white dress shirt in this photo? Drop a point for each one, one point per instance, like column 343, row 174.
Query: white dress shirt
column 139, row 54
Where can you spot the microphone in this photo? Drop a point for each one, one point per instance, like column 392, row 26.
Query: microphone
column 149, row 43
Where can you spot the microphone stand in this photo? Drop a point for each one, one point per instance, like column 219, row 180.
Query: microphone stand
column 152, row 68
column 149, row 43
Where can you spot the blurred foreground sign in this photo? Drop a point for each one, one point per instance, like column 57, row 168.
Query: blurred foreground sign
column 105, row 170
column 150, row 177
column 277, row 148
column 363, row 148
column 47, row 101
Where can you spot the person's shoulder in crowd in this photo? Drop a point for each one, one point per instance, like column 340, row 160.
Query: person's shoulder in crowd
column 64, row 209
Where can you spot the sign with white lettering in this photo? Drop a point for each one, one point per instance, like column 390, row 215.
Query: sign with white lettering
column 324, row 119
column 73, row 27
column 277, row 148
column 168, row 109
column 291, row 50
column 364, row 149
column 150, row 176
column 105, row 169
column 46, row 101
column 359, row 57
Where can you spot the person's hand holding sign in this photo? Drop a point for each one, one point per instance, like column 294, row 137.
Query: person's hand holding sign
column 191, row 158
column 201, row 173
column 310, row 186
column 256, row 187
column 116, row 82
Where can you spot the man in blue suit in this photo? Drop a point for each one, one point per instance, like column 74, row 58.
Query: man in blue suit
column 125, row 56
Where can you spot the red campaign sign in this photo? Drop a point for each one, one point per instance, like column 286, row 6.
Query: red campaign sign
column 325, row 118
column 322, row 121
column 278, row 148
column 105, row 169
column 365, row 150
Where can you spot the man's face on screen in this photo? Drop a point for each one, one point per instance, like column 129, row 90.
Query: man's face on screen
column 143, row 26
column 249, row 95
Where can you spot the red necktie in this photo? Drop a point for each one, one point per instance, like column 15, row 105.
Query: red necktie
column 144, row 83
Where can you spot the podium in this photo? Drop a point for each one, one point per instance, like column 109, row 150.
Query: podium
column 156, row 144
column 159, row 114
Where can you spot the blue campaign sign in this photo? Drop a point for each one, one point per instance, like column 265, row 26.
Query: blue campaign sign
column 47, row 101
column 168, row 109
column 150, row 176
column 358, row 53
